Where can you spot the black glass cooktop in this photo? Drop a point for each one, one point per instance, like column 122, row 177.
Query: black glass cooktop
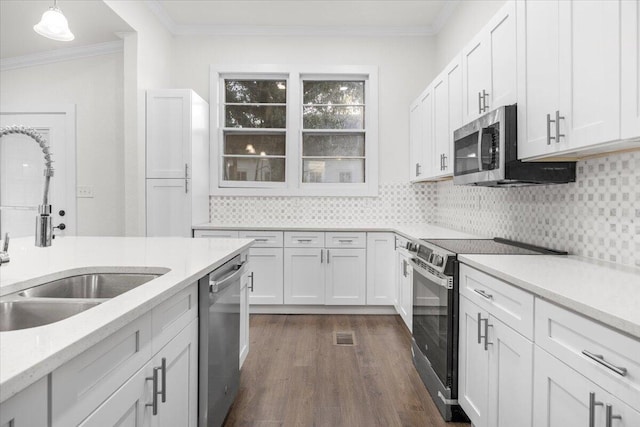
column 495, row 246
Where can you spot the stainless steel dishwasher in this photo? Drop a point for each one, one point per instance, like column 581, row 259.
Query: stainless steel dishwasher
column 219, row 364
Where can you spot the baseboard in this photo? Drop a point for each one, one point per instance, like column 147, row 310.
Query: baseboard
column 322, row 309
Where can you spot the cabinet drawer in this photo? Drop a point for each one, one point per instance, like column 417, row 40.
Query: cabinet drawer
column 504, row 301
column 82, row 384
column 567, row 335
column 345, row 240
column 221, row 234
column 304, row 239
column 264, row 239
column 170, row 317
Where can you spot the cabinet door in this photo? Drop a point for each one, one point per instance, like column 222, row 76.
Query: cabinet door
column 476, row 77
column 416, row 166
column 510, row 377
column 244, row 317
column 428, row 148
column 168, row 133
column 538, row 74
column 561, row 395
column 127, row 406
column 630, row 69
column 441, row 137
column 168, row 208
column 180, row 407
column 473, row 363
column 501, row 39
column 381, row 268
column 406, row 292
column 346, row 276
column 268, row 270
column 590, row 72
column 304, row 273
column 455, row 121
column 29, row 408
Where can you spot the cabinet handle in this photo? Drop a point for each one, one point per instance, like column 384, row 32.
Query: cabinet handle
column 404, row 267
column 304, row 240
column 251, row 276
column 154, row 403
column 163, row 368
column 444, row 162
column 483, row 293
column 610, row 417
column 186, row 171
column 557, row 122
column 549, row 137
column 480, row 319
column 486, row 334
column 328, row 259
column 598, row 358
column 479, row 103
column 345, row 240
column 261, row 240
column 186, row 185
column 484, row 100
column 321, row 256
column 592, row 409
column 417, row 169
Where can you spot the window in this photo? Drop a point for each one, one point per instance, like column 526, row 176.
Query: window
column 285, row 130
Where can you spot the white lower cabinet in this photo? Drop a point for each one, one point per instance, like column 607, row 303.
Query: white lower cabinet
column 29, row 408
column 162, row 393
column 244, row 314
column 381, row 268
column 267, row 267
column 345, row 281
column 304, row 272
column 404, row 289
column 495, row 370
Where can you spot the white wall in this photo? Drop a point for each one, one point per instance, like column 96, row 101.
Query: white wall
column 406, row 65
column 95, row 85
column 465, row 22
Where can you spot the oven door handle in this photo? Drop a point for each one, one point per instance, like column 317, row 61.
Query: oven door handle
column 446, row 283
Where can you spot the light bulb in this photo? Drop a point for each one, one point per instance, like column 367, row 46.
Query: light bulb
column 54, row 25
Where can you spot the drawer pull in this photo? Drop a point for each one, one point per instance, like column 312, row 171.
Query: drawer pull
column 345, row 240
column 261, row 240
column 483, row 293
column 610, row 416
column 600, row 359
column 304, row 240
column 592, row 409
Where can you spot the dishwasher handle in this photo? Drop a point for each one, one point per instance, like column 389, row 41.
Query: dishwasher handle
column 218, row 285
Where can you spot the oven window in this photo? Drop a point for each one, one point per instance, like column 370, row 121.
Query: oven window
column 466, row 155
column 432, row 323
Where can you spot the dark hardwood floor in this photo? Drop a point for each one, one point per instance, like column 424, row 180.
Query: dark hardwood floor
column 295, row 375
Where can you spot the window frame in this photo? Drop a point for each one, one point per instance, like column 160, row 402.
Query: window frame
column 294, row 76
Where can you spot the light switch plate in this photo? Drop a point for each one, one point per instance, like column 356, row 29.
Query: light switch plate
column 84, row 192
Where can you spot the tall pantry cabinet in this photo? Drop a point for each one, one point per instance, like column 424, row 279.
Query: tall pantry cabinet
column 177, row 162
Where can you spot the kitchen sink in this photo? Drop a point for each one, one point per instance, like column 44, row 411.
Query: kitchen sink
column 16, row 315
column 89, row 286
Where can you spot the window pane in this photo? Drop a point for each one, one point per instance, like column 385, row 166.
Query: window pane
column 270, row 145
column 333, row 145
column 333, row 92
column 333, row 170
column 246, row 116
column 253, row 169
column 331, row 117
column 256, row 91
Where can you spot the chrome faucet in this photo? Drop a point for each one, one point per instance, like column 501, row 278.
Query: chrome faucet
column 44, row 224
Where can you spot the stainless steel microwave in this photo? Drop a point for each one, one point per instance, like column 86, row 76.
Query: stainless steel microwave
column 486, row 154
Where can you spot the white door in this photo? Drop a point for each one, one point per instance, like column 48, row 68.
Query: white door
column 22, row 166
column 304, row 275
column 538, row 74
column 630, row 69
column 346, row 277
column 476, row 77
column 381, row 268
column 415, row 141
column 168, row 134
column 180, row 405
column 589, row 72
column 510, row 377
column 473, row 363
column 501, row 39
column 267, row 267
column 168, row 208
column 561, row 395
column 441, row 136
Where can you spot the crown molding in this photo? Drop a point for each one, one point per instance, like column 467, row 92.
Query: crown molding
column 59, row 55
column 295, row 30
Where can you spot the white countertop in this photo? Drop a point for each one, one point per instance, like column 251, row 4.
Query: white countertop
column 606, row 292
column 410, row 231
column 29, row 354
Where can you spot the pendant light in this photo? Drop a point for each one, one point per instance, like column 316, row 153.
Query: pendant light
column 54, row 25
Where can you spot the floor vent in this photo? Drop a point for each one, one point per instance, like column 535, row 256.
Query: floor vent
column 344, row 338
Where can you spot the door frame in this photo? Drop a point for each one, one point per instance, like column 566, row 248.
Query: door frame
column 69, row 112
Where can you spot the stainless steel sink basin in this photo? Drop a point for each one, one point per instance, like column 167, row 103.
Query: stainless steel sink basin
column 16, row 315
column 87, row 286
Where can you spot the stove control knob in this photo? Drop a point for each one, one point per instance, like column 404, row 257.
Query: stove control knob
column 438, row 261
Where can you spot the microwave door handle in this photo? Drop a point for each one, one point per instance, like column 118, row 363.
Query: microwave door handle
column 480, row 150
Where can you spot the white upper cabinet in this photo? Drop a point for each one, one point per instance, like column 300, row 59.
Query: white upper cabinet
column 421, row 136
column 569, row 76
column 630, row 69
column 489, row 70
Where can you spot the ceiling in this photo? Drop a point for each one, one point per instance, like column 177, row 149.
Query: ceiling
column 339, row 16
column 91, row 21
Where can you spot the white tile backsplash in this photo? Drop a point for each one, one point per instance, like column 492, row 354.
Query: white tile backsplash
column 598, row 216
